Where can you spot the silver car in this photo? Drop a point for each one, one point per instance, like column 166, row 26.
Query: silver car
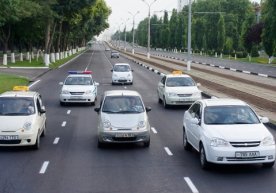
column 123, row 118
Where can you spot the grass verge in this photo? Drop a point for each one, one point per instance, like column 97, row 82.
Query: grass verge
column 7, row 82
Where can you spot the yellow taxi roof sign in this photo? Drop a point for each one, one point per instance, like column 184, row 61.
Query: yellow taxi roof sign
column 20, row 88
column 176, row 72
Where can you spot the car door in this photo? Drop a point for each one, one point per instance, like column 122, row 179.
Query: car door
column 41, row 117
column 161, row 87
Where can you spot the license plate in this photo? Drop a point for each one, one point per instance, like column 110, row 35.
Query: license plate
column 76, row 97
column 185, row 100
column 247, row 154
column 9, row 137
column 124, row 135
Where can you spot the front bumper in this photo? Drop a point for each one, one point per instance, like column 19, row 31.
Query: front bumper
column 227, row 155
column 121, row 80
column 85, row 98
column 181, row 100
column 22, row 139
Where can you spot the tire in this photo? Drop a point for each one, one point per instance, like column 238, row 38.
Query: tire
column 44, row 131
column 203, row 161
column 159, row 100
column 37, row 143
column 147, row 143
column 268, row 165
column 186, row 144
column 165, row 103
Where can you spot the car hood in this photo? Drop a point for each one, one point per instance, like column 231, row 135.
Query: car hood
column 183, row 89
column 240, row 132
column 78, row 88
column 122, row 74
column 14, row 123
column 123, row 120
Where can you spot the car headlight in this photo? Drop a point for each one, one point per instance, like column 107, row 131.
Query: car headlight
column 65, row 92
column 106, row 124
column 128, row 75
column 171, row 94
column 268, row 141
column 217, row 142
column 141, row 124
column 27, row 126
column 88, row 92
column 115, row 75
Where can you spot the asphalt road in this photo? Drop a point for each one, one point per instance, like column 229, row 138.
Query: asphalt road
column 70, row 162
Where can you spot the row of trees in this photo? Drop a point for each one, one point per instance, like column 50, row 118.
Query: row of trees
column 221, row 26
column 50, row 25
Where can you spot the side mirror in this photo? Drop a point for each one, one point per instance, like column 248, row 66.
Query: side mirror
column 198, row 84
column 264, row 119
column 195, row 121
column 42, row 110
column 97, row 109
column 60, row 83
column 96, row 84
column 148, row 109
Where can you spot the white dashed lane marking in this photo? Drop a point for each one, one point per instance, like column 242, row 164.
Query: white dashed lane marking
column 44, row 167
column 34, row 83
column 153, row 130
column 56, row 140
column 191, row 185
column 63, row 124
column 168, row 151
column 68, row 112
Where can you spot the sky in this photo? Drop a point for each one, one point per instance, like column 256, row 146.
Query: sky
column 120, row 15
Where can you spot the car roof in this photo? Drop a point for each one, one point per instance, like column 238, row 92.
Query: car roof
column 121, row 93
column 19, row 94
column 126, row 64
column 178, row 75
column 223, row 102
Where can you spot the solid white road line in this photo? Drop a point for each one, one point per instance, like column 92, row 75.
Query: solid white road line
column 34, row 83
column 89, row 61
column 44, row 167
column 56, row 140
column 168, row 151
column 63, row 124
column 153, row 130
column 68, row 112
column 191, row 185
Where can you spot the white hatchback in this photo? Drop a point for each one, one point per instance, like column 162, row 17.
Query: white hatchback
column 177, row 89
column 227, row 131
column 123, row 118
column 122, row 74
column 78, row 87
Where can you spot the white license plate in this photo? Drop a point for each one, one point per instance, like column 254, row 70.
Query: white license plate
column 76, row 97
column 124, row 135
column 185, row 100
column 247, row 154
column 9, row 137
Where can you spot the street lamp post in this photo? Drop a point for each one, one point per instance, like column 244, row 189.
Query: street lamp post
column 125, row 34
column 149, row 5
column 133, row 33
column 189, row 36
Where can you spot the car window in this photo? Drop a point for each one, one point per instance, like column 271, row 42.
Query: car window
column 179, row 81
column 16, row 106
column 121, row 68
column 78, row 81
column 163, row 80
column 195, row 110
column 234, row 114
column 123, row 104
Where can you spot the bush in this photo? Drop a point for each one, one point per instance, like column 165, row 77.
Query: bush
column 254, row 52
column 240, row 54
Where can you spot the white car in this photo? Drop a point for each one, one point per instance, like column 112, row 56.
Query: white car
column 123, row 118
column 122, row 74
column 177, row 89
column 227, row 131
column 78, row 87
column 22, row 118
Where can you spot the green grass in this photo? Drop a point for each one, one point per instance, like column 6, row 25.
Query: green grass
column 259, row 60
column 64, row 60
column 7, row 82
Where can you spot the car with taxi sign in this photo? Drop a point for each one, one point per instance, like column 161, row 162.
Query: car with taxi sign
column 227, row 131
column 122, row 74
column 78, row 87
column 123, row 118
column 177, row 89
column 22, row 118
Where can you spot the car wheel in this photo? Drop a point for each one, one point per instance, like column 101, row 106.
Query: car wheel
column 268, row 165
column 44, row 131
column 37, row 143
column 186, row 144
column 164, row 102
column 203, row 161
column 147, row 143
column 159, row 100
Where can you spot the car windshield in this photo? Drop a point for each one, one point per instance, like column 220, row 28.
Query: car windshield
column 121, row 68
column 180, row 81
column 123, row 104
column 232, row 114
column 78, row 81
column 16, row 106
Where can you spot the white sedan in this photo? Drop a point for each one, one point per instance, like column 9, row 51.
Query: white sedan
column 122, row 74
column 227, row 131
column 78, row 87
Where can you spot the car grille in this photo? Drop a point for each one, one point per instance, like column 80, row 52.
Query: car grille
column 76, row 99
column 245, row 144
column 76, row 93
column 122, row 80
column 124, row 138
column 10, row 141
column 259, row 158
column 184, row 95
